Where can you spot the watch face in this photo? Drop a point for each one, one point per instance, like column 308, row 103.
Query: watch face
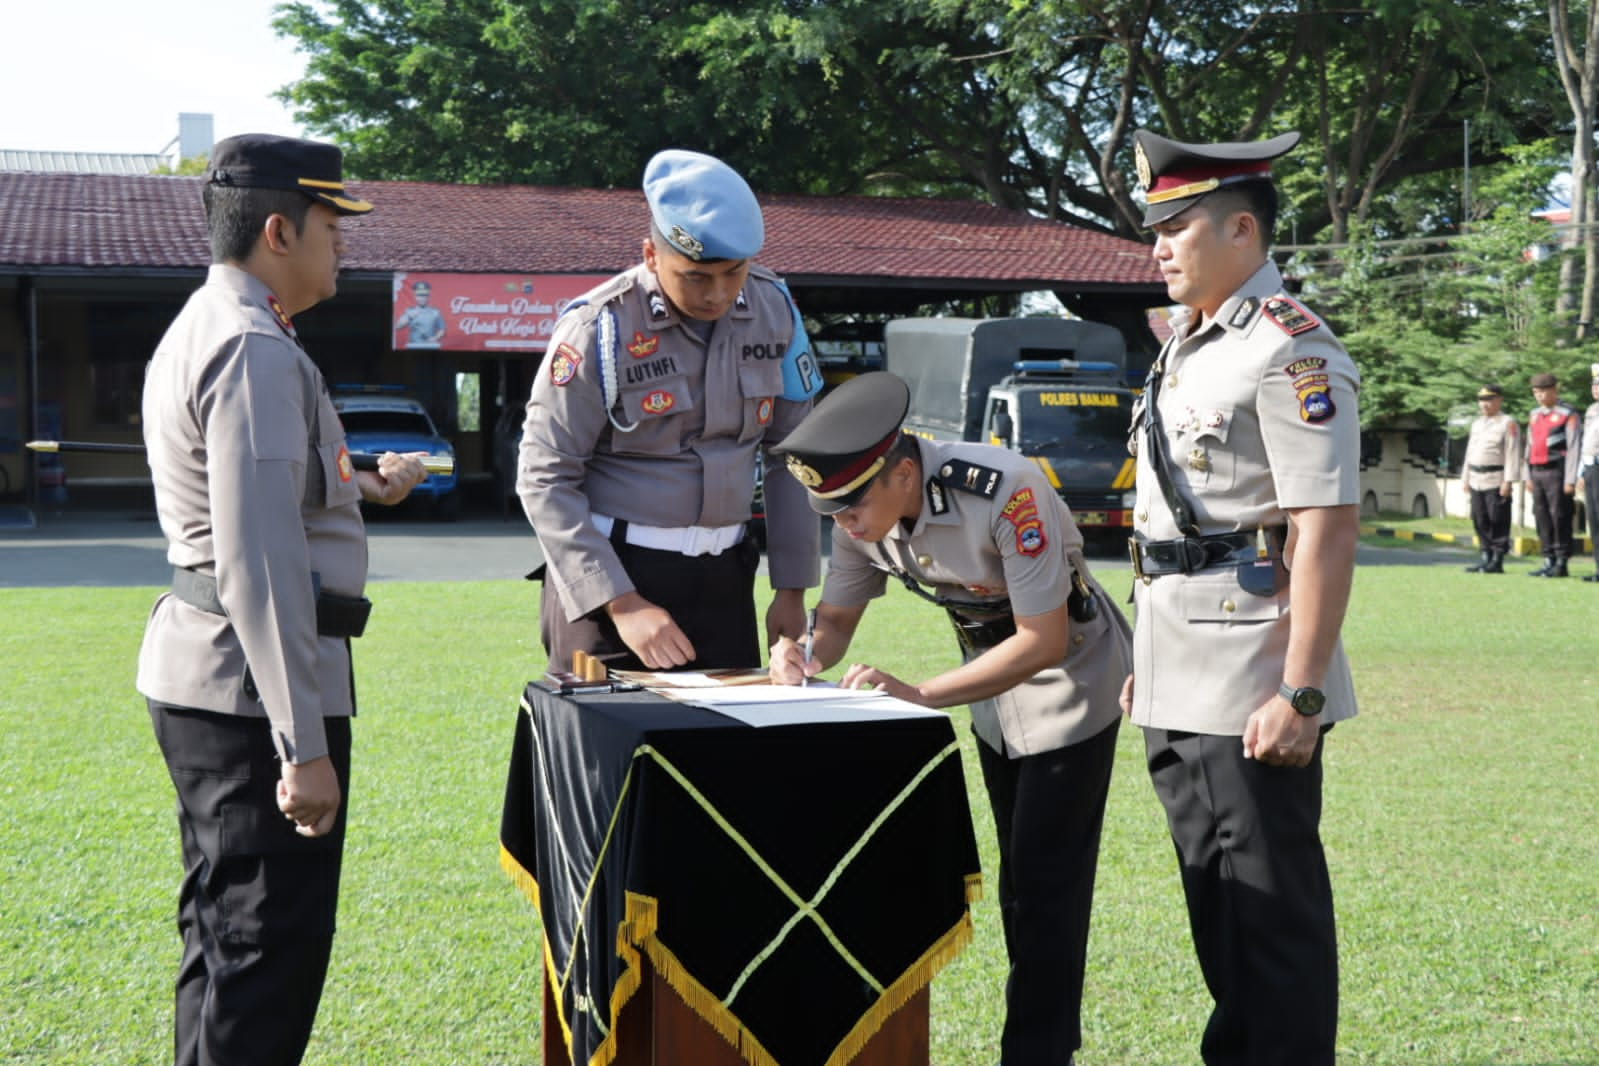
column 1309, row 701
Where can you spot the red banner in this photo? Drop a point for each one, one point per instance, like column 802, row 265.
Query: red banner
column 483, row 312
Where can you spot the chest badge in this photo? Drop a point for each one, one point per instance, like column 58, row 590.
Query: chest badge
column 641, row 346
column 1199, row 460
column 763, row 411
column 346, row 467
column 658, row 402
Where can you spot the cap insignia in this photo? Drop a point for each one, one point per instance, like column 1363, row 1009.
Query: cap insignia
column 1146, row 178
column 804, row 474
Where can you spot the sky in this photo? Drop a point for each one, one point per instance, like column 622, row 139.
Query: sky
column 113, row 75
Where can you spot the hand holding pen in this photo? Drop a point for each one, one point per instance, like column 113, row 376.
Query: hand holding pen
column 810, row 641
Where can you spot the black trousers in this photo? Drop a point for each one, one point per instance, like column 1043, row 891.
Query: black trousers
column 1260, row 903
column 1048, row 811
column 711, row 597
column 1590, row 493
column 257, row 903
column 1490, row 517
column 1552, row 509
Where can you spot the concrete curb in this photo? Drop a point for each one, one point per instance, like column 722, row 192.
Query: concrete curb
column 1518, row 545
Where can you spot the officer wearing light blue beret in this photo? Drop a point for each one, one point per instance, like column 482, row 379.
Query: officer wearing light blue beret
column 659, row 391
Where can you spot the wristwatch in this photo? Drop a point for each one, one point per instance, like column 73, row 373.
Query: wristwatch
column 1307, row 701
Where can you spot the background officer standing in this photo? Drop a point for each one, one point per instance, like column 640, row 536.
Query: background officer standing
column 639, row 447
column 1589, row 479
column 1491, row 467
column 246, row 662
column 1553, row 450
column 1043, row 656
column 1245, row 528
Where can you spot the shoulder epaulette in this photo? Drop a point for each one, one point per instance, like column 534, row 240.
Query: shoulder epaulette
column 962, row 476
column 1290, row 316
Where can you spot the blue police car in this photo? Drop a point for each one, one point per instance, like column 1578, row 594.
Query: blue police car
column 380, row 418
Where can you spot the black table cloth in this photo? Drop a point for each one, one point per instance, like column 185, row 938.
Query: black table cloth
column 795, row 884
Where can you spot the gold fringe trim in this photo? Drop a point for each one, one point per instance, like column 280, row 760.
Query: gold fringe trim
column 974, row 888
column 705, row 1003
column 519, row 877
column 912, row 981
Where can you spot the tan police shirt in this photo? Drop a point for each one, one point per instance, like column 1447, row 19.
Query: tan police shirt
column 253, row 484
column 1259, row 411
column 1495, row 441
column 1015, row 542
column 671, row 441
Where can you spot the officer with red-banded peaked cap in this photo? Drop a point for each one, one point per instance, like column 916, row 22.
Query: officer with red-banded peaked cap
column 1175, row 175
column 1244, row 535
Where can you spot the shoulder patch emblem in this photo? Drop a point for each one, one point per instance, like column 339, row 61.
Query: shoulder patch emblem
column 969, row 477
column 1021, row 511
column 346, row 467
column 1290, row 317
column 1315, row 404
column 564, row 362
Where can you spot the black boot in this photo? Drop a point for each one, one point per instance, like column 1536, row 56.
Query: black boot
column 1482, row 564
column 1543, row 571
column 1495, row 564
column 1558, row 569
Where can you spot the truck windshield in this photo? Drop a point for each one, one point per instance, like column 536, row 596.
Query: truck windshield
column 1074, row 424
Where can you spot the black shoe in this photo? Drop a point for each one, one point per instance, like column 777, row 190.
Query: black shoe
column 1543, row 571
column 1482, row 564
column 1496, row 563
column 1592, row 577
column 1558, row 570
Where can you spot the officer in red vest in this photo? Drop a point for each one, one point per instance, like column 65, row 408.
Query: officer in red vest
column 1553, row 440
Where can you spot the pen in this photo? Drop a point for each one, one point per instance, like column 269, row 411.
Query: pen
column 810, row 640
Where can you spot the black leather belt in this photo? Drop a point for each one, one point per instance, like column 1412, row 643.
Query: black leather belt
column 977, row 635
column 1475, row 469
column 1553, row 464
column 336, row 616
column 1185, row 555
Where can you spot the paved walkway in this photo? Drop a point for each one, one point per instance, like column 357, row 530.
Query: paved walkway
column 120, row 548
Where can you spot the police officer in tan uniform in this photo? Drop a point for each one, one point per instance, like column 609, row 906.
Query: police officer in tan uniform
column 978, row 530
column 1245, row 531
column 639, row 449
column 246, row 661
column 1589, row 470
column 1490, row 470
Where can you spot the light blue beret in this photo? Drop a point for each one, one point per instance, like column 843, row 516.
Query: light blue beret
column 702, row 207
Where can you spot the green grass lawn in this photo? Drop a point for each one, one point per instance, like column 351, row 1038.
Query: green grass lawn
column 1459, row 827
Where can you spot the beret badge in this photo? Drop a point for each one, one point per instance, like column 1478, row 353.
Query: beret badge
column 691, row 247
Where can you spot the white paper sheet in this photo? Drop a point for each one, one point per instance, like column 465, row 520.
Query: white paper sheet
column 764, row 705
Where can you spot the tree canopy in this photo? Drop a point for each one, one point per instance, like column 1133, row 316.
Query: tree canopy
column 1029, row 105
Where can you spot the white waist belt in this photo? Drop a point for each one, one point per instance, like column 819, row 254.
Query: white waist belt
column 685, row 540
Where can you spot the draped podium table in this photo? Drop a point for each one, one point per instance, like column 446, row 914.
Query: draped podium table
column 791, row 887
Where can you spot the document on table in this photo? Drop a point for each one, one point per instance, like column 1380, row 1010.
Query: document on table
column 764, row 705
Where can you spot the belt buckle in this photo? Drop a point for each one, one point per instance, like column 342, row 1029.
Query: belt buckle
column 1193, row 554
column 1132, row 549
column 697, row 540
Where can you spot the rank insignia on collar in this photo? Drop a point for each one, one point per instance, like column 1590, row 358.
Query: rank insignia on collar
column 281, row 315
column 658, row 306
column 740, row 303
column 935, row 496
column 641, row 346
column 1245, row 312
column 1290, row 317
column 969, row 477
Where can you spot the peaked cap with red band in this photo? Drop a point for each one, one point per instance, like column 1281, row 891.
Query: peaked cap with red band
column 1175, row 175
column 841, row 445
